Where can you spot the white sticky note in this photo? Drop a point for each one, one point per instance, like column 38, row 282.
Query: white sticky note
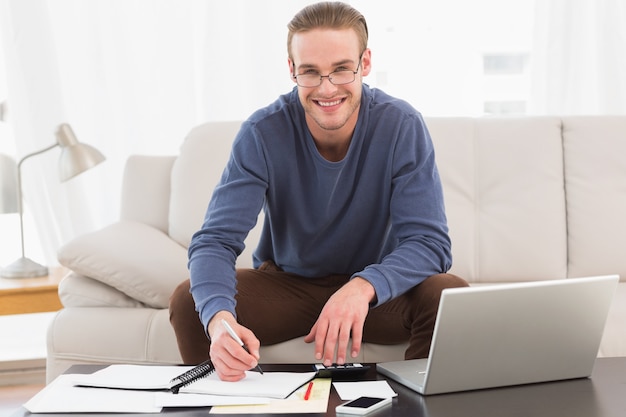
column 353, row 390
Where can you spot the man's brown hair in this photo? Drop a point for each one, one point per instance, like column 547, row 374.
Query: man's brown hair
column 329, row 15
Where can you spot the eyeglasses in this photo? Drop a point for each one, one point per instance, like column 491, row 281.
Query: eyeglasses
column 313, row 79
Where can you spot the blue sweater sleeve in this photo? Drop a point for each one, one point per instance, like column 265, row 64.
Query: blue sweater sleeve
column 231, row 214
column 418, row 242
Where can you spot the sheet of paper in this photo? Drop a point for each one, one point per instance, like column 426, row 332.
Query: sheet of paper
column 168, row 399
column 138, row 377
column 61, row 396
column 295, row 403
column 269, row 384
column 132, row 376
column 352, row 390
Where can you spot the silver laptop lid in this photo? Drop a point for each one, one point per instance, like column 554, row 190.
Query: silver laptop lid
column 511, row 334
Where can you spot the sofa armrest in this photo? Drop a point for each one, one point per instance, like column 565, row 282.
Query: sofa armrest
column 146, row 190
column 134, row 258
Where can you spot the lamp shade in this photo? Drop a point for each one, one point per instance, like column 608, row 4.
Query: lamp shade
column 8, row 185
column 75, row 157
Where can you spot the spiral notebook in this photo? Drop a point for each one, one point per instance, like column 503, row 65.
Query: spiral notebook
column 205, row 369
column 198, row 380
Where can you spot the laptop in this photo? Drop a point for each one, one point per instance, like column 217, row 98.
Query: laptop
column 511, row 334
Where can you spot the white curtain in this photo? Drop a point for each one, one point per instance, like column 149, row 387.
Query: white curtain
column 579, row 57
column 134, row 76
column 130, row 76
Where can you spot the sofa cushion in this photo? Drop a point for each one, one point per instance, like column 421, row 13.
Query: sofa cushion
column 505, row 202
column 134, row 258
column 146, row 190
column 595, row 181
column 97, row 335
column 195, row 174
column 198, row 168
column 80, row 291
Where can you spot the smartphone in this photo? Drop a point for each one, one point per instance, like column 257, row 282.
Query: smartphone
column 362, row 405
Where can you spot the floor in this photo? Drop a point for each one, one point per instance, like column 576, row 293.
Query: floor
column 12, row 397
column 22, row 355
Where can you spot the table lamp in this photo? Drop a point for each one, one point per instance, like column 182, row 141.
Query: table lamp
column 8, row 185
column 75, row 158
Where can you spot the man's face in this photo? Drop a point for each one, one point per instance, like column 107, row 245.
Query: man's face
column 329, row 107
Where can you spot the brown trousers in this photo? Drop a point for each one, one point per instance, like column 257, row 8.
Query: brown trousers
column 278, row 306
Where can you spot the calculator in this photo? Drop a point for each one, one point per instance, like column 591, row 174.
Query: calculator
column 345, row 371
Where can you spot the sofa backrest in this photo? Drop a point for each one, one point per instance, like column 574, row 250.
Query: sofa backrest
column 504, row 195
column 595, row 183
column 146, row 190
column 527, row 198
column 196, row 172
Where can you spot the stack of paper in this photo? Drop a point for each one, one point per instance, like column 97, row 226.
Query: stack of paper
column 143, row 389
column 61, row 396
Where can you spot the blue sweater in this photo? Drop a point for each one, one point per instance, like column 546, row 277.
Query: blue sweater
column 378, row 214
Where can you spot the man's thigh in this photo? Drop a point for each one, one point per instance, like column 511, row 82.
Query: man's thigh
column 278, row 306
column 410, row 314
column 389, row 323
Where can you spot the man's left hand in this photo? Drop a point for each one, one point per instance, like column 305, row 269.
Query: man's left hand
column 342, row 318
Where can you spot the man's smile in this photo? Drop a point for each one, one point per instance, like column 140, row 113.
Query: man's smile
column 328, row 103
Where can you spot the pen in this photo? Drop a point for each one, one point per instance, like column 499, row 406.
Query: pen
column 307, row 394
column 232, row 334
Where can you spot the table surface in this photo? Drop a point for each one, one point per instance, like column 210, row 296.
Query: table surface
column 31, row 295
column 602, row 395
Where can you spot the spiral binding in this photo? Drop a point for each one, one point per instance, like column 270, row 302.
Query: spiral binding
column 204, row 369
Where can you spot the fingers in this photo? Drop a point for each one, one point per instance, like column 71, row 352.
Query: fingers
column 318, row 334
column 227, row 367
column 340, row 321
column 333, row 340
column 229, row 357
column 338, row 339
column 357, row 339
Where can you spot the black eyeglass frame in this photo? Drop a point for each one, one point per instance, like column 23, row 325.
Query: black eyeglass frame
column 329, row 76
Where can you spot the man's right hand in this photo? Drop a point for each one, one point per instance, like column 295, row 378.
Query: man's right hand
column 229, row 358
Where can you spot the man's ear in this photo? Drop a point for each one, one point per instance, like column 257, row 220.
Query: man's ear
column 291, row 70
column 366, row 62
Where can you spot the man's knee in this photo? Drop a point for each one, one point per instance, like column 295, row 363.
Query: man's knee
column 190, row 333
column 447, row 281
column 435, row 284
column 181, row 300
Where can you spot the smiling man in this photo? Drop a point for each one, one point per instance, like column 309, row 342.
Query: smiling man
column 331, row 108
column 355, row 243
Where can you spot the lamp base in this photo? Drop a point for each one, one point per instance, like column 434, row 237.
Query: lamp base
column 24, row 268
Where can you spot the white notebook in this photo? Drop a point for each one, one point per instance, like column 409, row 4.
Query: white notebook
column 149, row 377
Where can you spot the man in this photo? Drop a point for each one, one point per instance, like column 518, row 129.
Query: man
column 355, row 243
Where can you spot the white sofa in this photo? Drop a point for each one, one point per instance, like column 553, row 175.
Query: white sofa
column 528, row 198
